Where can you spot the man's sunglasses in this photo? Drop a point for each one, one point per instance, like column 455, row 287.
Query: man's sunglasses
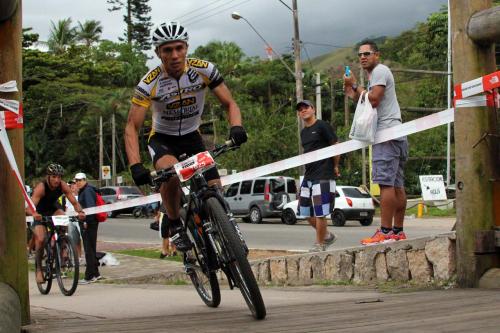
column 365, row 54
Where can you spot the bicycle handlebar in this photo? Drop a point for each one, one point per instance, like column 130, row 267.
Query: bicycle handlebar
column 163, row 175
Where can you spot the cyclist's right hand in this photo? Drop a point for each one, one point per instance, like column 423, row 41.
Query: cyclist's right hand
column 37, row 217
column 140, row 174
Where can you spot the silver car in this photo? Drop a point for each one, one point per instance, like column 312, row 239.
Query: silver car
column 260, row 197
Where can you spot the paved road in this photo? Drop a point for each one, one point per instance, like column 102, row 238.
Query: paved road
column 273, row 234
column 143, row 308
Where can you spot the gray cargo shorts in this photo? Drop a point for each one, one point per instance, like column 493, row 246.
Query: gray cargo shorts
column 389, row 159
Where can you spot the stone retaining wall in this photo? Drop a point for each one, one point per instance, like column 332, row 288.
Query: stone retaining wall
column 430, row 259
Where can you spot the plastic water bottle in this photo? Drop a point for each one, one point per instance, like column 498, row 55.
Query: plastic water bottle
column 347, row 71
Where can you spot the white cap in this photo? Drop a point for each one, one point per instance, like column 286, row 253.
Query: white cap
column 80, row 175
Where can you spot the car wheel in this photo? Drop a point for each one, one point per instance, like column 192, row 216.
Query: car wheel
column 338, row 218
column 288, row 216
column 255, row 215
column 137, row 212
column 366, row 222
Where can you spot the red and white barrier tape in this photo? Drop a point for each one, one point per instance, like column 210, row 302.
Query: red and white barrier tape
column 477, row 86
column 411, row 127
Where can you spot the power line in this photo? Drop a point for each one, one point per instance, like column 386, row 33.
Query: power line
column 207, row 12
column 330, row 45
column 206, row 17
column 196, row 10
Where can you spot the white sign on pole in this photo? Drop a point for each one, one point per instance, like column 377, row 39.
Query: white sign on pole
column 106, row 172
column 222, row 172
column 432, row 187
column 119, row 179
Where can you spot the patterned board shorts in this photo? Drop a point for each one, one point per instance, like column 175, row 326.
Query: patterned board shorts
column 317, row 198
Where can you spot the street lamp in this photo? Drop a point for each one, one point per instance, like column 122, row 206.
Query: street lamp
column 237, row 16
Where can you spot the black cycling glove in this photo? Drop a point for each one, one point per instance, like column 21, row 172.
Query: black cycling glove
column 238, row 135
column 140, row 174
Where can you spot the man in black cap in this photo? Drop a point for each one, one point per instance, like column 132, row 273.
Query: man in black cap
column 317, row 191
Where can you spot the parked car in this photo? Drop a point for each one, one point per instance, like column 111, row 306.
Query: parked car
column 260, row 197
column 351, row 203
column 111, row 194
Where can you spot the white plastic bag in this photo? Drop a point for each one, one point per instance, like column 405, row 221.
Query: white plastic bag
column 364, row 124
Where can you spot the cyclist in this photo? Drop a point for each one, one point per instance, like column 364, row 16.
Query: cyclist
column 45, row 197
column 175, row 90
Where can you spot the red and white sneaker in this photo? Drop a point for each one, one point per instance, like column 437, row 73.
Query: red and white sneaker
column 397, row 237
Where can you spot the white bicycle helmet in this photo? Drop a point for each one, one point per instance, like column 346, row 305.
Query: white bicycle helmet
column 169, row 32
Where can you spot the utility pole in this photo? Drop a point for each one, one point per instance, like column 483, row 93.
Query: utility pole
column 299, row 93
column 101, row 151
column 113, row 148
column 318, row 96
column 13, row 261
column 332, row 96
column 476, row 159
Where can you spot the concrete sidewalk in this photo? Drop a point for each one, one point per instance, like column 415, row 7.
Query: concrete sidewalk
column 133, row 269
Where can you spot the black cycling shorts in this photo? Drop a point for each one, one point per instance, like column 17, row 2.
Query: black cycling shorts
column 161, row 144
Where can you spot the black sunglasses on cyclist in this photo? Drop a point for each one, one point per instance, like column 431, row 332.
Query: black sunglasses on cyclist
column 366, row 54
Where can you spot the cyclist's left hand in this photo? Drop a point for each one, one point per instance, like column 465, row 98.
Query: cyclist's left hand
column 238, row 135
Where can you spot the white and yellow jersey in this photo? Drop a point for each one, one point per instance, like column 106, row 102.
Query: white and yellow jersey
column 177, row 104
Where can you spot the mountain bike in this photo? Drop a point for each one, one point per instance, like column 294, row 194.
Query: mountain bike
column 59, row 258
column 217, row 243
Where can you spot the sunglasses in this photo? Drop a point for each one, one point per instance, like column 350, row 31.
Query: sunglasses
column 78, row 180
column 365, row 54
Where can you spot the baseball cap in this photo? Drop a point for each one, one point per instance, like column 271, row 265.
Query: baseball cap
column 80, row 175
column 304, row 102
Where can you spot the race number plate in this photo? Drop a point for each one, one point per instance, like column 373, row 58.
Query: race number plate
column 193, row 165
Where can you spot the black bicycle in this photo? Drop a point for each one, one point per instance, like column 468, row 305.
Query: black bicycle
column 59, row 259
column 217, row 241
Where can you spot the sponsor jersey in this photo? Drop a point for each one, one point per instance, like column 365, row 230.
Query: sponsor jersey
column 177, row 104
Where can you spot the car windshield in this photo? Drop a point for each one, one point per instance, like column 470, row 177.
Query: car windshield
column 353, row 192
column 130, row 190
column 277, row 185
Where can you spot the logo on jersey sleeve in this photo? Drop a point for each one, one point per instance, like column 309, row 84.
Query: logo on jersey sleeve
column 198, row 63
column 152, row 75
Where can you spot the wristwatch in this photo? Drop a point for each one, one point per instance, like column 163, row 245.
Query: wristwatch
column 354, row 87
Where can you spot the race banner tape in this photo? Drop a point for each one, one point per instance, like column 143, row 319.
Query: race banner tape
column 4, row 139
column 10, row 104
column 477, row 86
column 10, row 86
column 411, row 127
column 490, row 100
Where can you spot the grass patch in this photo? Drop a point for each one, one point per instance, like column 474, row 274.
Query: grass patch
column 433, row 212
column 148, row 253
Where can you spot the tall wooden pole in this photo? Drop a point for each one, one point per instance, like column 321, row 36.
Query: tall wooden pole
column 474, row 162
column 13, row 260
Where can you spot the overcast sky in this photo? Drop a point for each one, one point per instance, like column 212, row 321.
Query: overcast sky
column 333, row 22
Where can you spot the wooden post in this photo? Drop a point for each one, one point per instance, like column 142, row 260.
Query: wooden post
column 13, row 259
column 475, row 166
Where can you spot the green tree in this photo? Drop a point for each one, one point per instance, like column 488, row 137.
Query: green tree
column 61, row 36
column 29, row 38
column 137, row 20
column 89, row 32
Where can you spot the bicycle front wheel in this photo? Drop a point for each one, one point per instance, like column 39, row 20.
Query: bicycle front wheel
column 197, row 266
column 46, row 268
column 238, row 262
column 67, row 266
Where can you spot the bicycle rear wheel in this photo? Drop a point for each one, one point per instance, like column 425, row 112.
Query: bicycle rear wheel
column 47, row 269
column 67, row 266
column 238, row 262
column 197, row 266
